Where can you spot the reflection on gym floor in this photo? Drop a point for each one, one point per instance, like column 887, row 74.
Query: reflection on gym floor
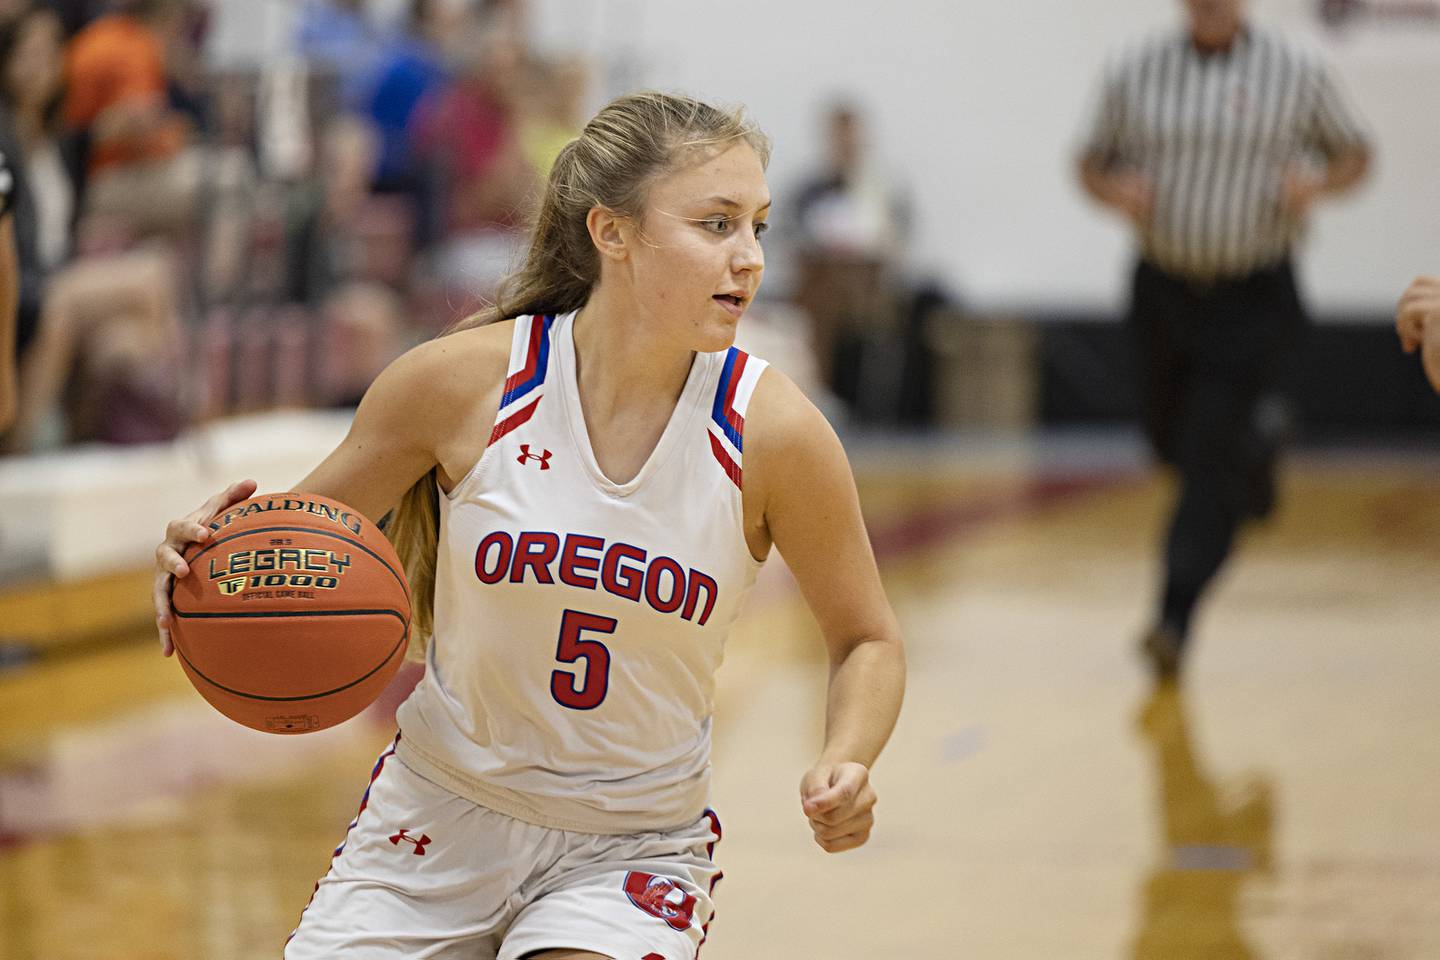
column 1040, row 799
column 1214, row 845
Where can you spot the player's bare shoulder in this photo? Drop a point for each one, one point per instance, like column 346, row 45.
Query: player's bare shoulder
column 780, row 416
column 443, row 394
column 788, row 442
column 454, row 368
column 445, row 378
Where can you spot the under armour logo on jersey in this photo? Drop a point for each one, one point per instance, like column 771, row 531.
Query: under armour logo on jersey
column 525, row 455
column 419, row 842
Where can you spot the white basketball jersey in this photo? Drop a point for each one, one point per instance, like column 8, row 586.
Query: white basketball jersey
column 579, row 622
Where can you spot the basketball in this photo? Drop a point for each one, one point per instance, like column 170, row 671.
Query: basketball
column 295, row 613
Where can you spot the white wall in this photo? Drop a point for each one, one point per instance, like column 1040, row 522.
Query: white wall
column 978, row 106
column 246, row 33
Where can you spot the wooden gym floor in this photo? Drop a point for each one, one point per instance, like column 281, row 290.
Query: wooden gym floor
column 1039, row 800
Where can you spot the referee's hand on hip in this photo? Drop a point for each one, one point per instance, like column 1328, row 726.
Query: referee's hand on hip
column 1128, row 192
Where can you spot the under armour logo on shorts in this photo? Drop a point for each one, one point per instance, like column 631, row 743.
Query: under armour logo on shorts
column 419, row 842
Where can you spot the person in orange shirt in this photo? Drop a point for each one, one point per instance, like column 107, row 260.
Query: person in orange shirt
column 116, row 94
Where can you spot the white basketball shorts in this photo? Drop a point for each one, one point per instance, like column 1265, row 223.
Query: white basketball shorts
column 423, row 873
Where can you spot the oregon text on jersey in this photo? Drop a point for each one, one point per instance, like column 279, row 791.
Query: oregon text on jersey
column 623, row 569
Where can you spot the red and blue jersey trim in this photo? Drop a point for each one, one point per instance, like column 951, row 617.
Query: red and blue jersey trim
column 723, row 412
column 527, row 380
column 726, row 419
column 537, row 361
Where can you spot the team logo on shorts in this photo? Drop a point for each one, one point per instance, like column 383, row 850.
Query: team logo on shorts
column 660, row 897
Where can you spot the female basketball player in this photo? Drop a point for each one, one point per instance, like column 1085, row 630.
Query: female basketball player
column 594, row 477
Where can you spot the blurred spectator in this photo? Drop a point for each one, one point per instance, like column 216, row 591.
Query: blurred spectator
column 850, row 209
column 1218, row 189
column 325, row 213
column 467, row 135
column 106, row 361
column 23, row 275
column 98, row 337
column 552, row 116
column 75, row 15
column 232, row 194
column 510, row 17
column 117, row 92
column 363, row 329
column 852, row 223
column 187, row 78
column 31, row 89
column 11, row 10
column 9, row 295
column 1417, row 320
column 337, row 36
column 333, row 269
column 411, row 66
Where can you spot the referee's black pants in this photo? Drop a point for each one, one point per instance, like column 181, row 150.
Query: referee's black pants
column 1209, row 353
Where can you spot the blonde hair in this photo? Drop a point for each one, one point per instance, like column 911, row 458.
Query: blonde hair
column 611, row 164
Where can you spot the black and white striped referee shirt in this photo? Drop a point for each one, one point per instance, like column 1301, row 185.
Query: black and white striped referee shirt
column 1215, row 134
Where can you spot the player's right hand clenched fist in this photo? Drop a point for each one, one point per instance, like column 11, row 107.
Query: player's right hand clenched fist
column 179, row 534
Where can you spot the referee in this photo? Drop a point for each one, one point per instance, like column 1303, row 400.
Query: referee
column 1215, row 141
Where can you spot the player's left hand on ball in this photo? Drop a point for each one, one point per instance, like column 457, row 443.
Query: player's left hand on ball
column 840, row 804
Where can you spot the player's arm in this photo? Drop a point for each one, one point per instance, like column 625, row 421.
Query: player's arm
column 393, row 439
column 407, row 415
column 811, row 512
column 433, row 407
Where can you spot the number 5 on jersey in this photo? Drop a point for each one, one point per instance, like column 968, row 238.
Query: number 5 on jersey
column 572, row 648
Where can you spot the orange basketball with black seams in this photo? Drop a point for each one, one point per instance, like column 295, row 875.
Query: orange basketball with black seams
column 295, row 613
